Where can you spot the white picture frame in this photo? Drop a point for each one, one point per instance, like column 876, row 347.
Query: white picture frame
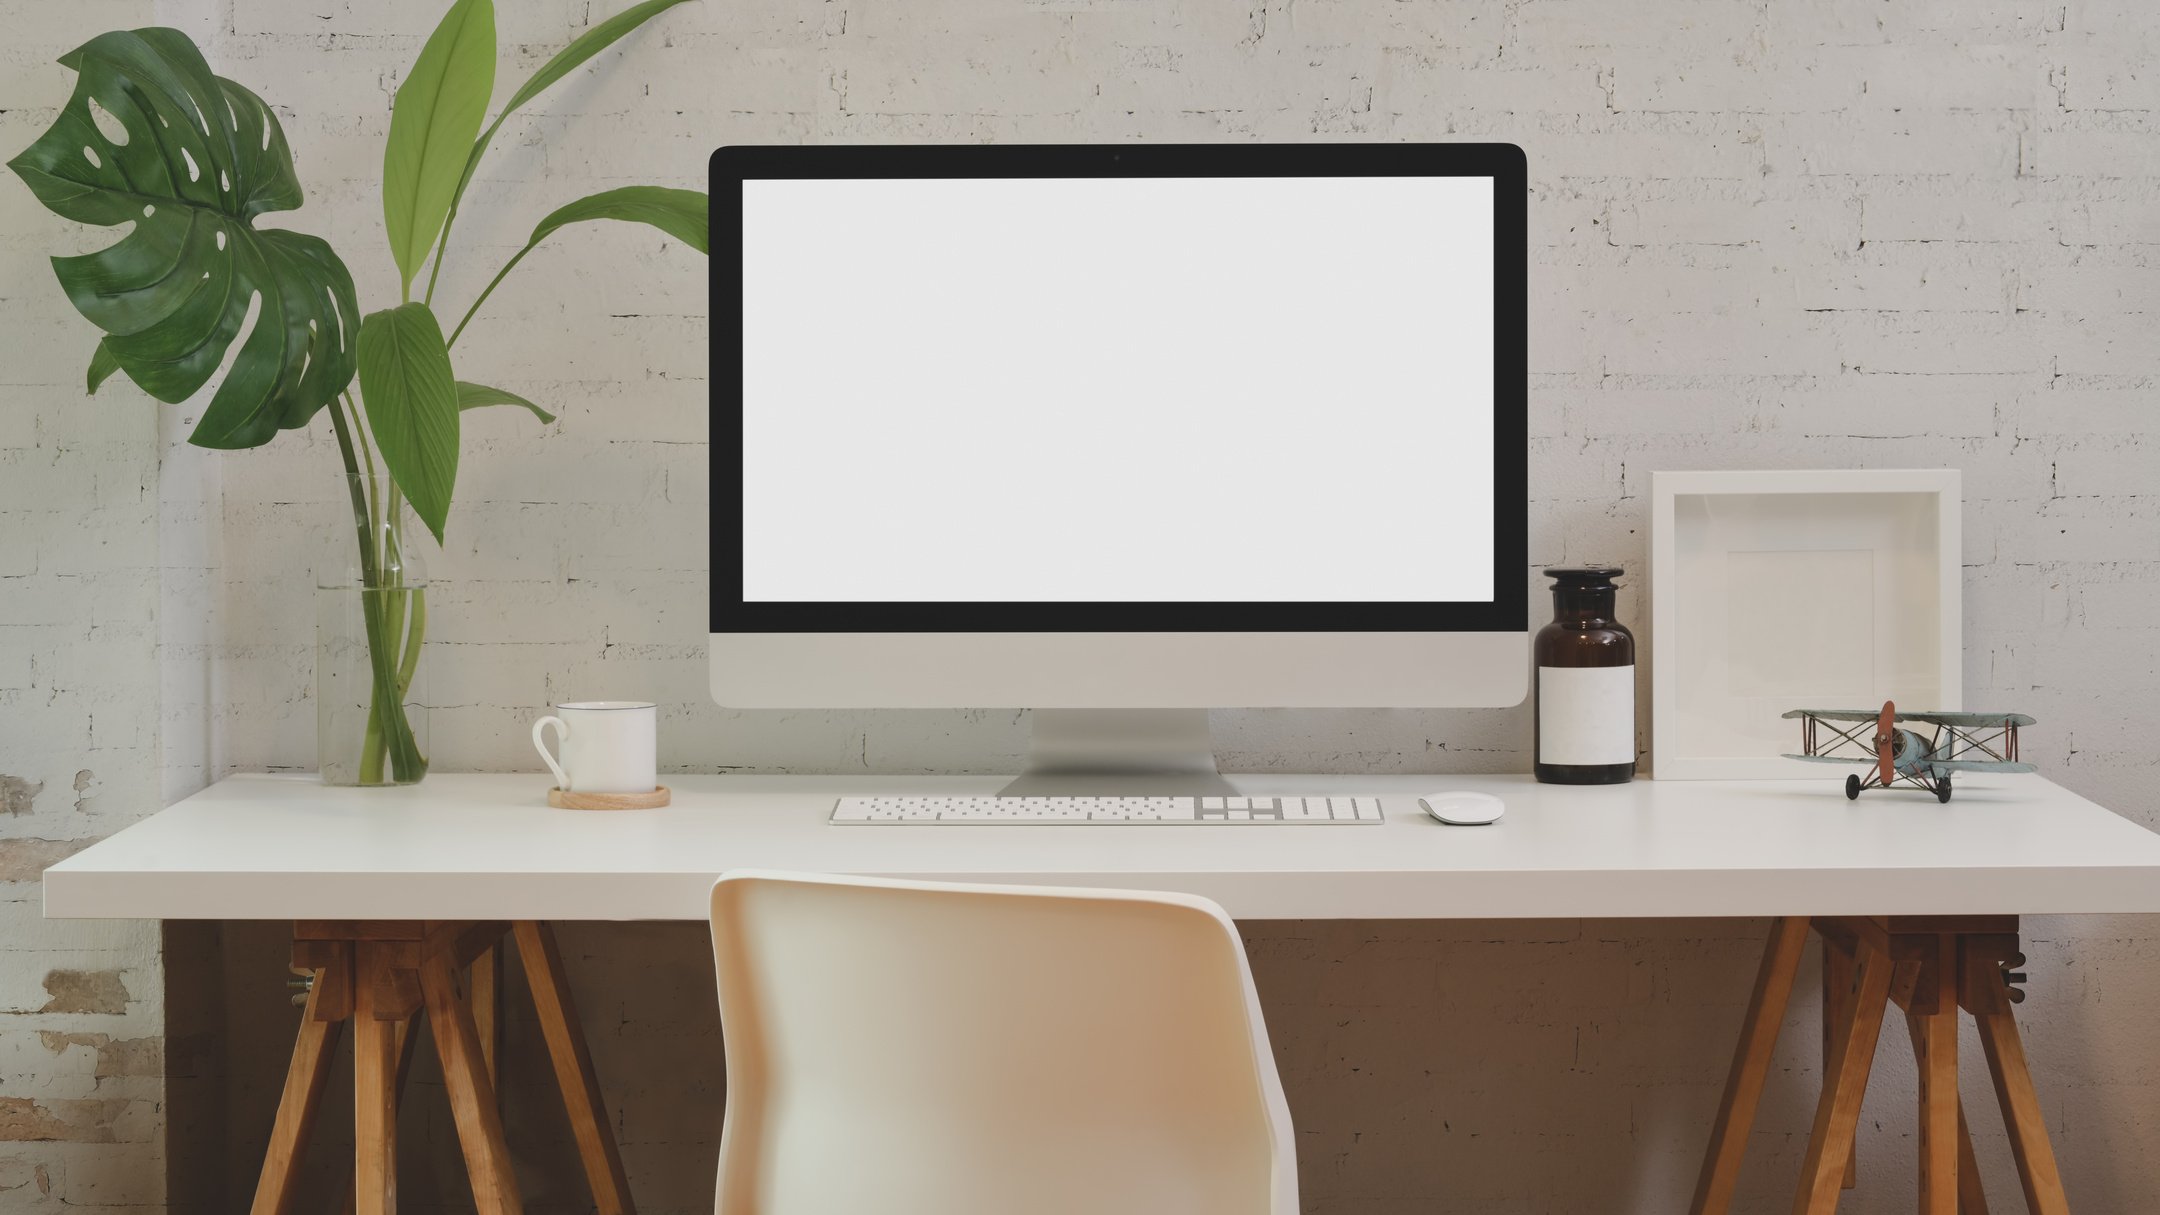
column 1788, row 589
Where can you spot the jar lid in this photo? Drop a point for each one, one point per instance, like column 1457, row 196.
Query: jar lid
column 1584, row 574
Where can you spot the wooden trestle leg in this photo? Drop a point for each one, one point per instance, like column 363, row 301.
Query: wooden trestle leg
column 1971, row 1197
column 472, row 1099
column 374, row 1112
column 1931, row 1015
column 382, row 976
column 408, row 1031
column 1931, row 967
column 1989, row 999
column 1845, row 1077
column 277, row 1191
column 1751, row 1065
column 484, row 979
column 574, row 1074
column 1837, row 984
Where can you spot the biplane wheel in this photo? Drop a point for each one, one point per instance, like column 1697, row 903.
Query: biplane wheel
column 1852, row 788
column 1942, row 788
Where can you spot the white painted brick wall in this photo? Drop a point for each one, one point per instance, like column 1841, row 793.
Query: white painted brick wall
column 1776, row 234
column 82, row 1009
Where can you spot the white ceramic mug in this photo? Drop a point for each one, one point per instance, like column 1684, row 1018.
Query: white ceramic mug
column 608, row 746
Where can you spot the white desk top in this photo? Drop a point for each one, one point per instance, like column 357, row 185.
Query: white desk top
column 489, row 847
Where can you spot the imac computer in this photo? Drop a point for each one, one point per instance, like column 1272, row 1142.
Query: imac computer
column 1118, row 434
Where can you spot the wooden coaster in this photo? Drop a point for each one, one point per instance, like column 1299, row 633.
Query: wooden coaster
column 608, row 801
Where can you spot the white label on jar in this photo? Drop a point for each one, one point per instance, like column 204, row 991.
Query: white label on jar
column 1586, row 715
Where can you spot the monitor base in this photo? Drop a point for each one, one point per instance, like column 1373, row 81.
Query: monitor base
column 1120, row 753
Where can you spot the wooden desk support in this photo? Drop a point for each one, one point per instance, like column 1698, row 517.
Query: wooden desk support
column 382, row 976
column 1931, row 967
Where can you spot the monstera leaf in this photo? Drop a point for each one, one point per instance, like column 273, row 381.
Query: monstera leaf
column 191, row 161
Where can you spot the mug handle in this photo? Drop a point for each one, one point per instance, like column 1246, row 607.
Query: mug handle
column 562, row 731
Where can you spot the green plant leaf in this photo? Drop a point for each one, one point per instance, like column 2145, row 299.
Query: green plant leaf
column 412, row 406
column 582, row 48
column 679, row 213
column 195, row 160
column 475, row 396
column 585, row 46
column 433, row 120
column 102, row 365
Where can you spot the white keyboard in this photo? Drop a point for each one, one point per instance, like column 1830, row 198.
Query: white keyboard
column 1168, row 811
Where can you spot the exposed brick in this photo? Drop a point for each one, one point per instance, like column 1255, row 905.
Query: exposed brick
column 23, row 1120
column 85, row 991
column 23, row 1181
column 18, row 795
column 115, row 1057
column 24, row 860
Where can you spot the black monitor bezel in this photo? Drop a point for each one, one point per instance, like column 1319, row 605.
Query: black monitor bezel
column 1503, row 163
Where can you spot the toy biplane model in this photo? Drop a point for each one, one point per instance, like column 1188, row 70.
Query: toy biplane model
column 1962, row 742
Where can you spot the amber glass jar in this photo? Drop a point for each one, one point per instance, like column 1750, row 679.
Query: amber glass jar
column 1585, row 683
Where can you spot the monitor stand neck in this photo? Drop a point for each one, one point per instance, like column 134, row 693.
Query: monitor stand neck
column 1120, row 753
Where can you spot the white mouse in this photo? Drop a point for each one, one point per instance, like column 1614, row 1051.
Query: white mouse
column 1463, row 809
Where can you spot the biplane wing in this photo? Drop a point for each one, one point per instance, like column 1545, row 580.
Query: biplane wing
column 1981, row 765
column 1940, row 765
column 1969, row 721
column 1962, row 720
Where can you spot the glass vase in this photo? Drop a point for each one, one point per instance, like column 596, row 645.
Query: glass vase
column 371, row 724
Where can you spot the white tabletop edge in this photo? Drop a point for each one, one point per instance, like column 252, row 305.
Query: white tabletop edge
column 487, row 847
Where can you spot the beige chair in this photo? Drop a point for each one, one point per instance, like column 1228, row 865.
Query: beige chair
column 932, row 1048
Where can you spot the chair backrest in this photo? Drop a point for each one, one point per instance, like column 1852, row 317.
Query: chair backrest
column 909, row 1048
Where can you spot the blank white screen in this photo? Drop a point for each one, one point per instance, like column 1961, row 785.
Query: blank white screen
column 1084, row 390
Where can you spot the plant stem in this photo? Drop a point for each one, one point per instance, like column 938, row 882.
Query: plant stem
column 371, row 746
column 393, row 594
column 442, row 244
column 401, row 598
column 507, row 268
column 369, row 546
column 372, row 753
column 389, row 734
column 367, row 449
column 442, row 239
column 359, row 492
column 383, row 698
column 413, row 638
column 395, row 535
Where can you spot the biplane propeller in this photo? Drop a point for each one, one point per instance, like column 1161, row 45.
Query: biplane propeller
column 1961, row 742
